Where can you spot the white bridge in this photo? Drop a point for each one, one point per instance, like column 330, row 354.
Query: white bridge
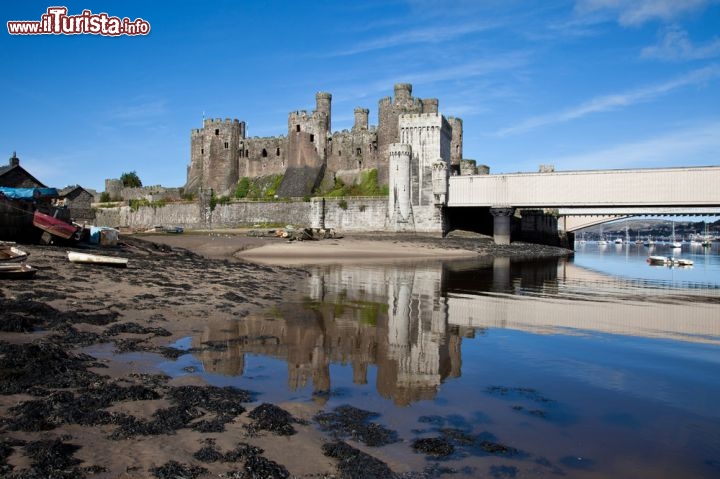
column 583, row 198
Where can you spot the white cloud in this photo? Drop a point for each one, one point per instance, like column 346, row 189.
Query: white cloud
column 637, row 12
column 675, row 45
column 415, row 36
column 614, row 101
column 696, row 146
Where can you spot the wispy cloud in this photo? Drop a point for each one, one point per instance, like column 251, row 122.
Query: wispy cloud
column 614, row 101
column 414, row 36
column 637, row 12
column 675, row 45
column 695, row 146
column 138, row 109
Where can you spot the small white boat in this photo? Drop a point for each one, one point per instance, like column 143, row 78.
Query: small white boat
column 75, row 257
column 669, row 261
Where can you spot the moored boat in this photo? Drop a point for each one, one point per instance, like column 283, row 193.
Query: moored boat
column 16, row 271
column 669, row 261
column 12, row 253
column 76, row 257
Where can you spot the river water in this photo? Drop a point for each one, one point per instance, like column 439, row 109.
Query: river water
column 597, row 366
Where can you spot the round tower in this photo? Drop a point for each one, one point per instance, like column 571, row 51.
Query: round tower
column 456, row 143
column 403, row 92
column 323, row 101
column 361, row 119
column 399, row 182
column 430, row 105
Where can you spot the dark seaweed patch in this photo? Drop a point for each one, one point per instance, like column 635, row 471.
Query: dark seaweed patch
column 355, row 464
column 268, row 417
column 176, row 470
column 52, row 459
column 348, row 421
column 433, row 446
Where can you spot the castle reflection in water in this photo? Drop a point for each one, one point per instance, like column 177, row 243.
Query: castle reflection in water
column 408, row 321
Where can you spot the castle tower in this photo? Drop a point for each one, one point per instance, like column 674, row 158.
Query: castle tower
column 399, row 205
column 403, row 93
column 456, row 145
column 214, row 152
column 361, row 119
column 430, row 105
column 323, row 104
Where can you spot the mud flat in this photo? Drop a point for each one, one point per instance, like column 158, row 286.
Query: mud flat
column 79, row 392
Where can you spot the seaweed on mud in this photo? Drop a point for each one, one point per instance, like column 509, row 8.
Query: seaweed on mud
column 165, row 421
column 355, row 464
column 433, row 446
column 23, row 366
column 135, row 328
column 348, row 421
column 242, row 451
column 254, row 466
column 70, row 336
column 129, row 345
column 171, row 353
column 268, row 417
column 189, row 403
column 226, row 400
column 84, row 409
column 498, row 449
column 209, row 453
column 176, row 470
column 217, row 424
column 258, row 467
column 6, row 449
column 51, row 459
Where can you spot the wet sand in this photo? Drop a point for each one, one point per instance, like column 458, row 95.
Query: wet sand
column 79, row 392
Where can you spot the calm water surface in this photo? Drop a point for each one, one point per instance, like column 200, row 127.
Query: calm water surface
column 599, row 366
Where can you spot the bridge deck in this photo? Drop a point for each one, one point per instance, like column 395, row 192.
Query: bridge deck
column 664, row 187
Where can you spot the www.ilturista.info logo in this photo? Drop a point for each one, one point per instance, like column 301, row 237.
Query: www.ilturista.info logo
column 57, row 22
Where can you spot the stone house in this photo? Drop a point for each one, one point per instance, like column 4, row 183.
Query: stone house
column 79, row 201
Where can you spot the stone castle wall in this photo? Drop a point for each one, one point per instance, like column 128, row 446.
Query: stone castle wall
column 221, row 153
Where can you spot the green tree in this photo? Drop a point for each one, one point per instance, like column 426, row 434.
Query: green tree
column 131, row 180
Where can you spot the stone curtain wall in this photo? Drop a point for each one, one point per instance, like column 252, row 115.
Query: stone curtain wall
column 355, row 214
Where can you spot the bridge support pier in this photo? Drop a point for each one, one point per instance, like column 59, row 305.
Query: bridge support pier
column 501, row 224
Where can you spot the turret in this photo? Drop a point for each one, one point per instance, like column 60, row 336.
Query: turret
column 361, row 119
column 399, row 207
column 403, row 92
column 430, row 105
column 323, row 104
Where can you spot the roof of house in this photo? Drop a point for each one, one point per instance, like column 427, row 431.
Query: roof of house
column 5, row 170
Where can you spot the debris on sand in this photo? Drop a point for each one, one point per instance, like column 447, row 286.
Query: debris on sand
column 355, row 464
column 348, row 421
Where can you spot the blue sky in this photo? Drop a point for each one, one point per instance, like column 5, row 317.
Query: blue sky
column 580, row 84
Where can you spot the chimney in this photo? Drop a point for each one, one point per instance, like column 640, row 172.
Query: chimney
column 14, row 160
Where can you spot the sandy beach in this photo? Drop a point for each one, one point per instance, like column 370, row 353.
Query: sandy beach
column 80, row 395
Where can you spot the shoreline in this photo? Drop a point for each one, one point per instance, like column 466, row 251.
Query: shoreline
column 74, row 408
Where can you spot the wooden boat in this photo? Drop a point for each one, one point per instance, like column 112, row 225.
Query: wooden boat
column 12, row 253
column 54, row 226
column 88, row 258
column 16, row 271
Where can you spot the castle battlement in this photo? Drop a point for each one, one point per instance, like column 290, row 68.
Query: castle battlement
column 219, row 121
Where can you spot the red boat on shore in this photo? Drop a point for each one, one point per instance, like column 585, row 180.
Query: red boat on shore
column 54, row 226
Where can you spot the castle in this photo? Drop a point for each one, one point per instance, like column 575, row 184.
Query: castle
column 413, row 148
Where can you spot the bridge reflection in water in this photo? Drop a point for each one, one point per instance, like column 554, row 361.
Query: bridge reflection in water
column 408, row 321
